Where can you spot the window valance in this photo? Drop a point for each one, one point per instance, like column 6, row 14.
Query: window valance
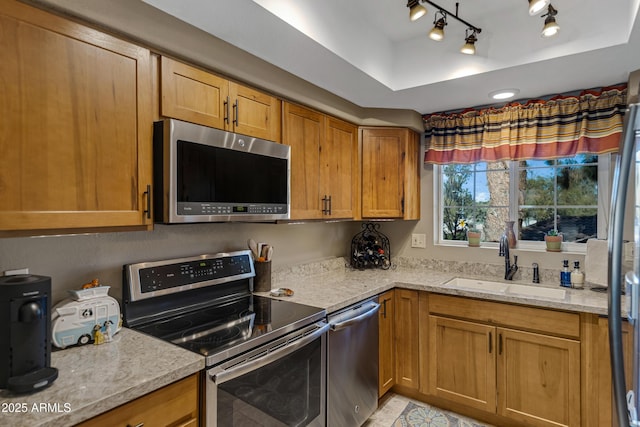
column 562, row 126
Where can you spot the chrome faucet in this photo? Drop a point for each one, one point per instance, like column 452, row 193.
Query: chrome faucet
column 509, row 270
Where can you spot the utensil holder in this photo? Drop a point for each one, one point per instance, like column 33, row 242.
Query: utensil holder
column 262, row 281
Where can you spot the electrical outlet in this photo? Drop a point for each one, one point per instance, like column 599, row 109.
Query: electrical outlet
column 629, row 251
column 17, row 271
column 418, row 240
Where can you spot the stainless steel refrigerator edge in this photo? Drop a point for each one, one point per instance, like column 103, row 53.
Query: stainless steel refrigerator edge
column 625, row 403
column 352, row 365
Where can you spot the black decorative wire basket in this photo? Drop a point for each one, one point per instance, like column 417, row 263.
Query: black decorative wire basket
column 370, row 248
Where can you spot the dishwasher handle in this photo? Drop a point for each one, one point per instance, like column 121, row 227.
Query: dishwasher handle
column 359, row 318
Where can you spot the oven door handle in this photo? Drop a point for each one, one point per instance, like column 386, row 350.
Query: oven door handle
column 271, row 356
column 341, row 325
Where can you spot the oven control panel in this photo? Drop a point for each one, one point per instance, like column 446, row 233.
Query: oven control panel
column 163, row 277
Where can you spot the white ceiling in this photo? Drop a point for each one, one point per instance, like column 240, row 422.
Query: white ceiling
column 368, row 52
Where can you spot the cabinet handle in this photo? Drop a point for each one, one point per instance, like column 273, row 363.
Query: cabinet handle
column 326, row 209
column 490, row 342
column 499, row 343
column 384, row 307
column 235, row 113
column 329, row 205
column 147, row 211
column 137, row 425
column 226, row 111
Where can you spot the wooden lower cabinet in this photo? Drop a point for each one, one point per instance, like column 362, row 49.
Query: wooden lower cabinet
column 538, row 378
column 407, row 334
column 506, row 364
column 175, row 405
column 462, row 366
column 387, row 348
column 518, row 365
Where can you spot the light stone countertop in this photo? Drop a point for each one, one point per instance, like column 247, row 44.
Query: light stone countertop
column 340, row 288
column 94, row 379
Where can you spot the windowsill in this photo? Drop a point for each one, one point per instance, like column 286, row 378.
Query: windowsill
column 567, row 248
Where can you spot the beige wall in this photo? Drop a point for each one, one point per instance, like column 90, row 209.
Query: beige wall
column 74, row 260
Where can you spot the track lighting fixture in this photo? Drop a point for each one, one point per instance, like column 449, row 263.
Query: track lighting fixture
column 469, row 47
column 536, row 6
column 437, row 32
column 416, row 10
column 551, row 27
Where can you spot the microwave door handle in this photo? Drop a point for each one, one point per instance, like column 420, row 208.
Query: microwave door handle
column 252, row 365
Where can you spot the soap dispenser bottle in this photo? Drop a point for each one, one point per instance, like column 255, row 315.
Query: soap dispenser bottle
column 565, row 274
column 577, row 276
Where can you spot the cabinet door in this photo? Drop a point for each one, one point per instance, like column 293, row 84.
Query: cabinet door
column 175, row 405
column 193, row 95
column 462, row 364
column 75, row 138
column 538, row 378
column 382, row 172
column 303, row 129
column 254, row 113
column 339, row 166
column 406, row 334
column 386, row 356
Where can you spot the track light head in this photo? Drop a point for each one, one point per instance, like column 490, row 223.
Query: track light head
column 551, row 27
column 535, row 6
column 437, row 32
column 469, row 47
column 416, row 10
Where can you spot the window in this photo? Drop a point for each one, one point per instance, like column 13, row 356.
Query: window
column 569, row 195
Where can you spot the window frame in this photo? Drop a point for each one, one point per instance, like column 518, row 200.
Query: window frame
column 605, row 168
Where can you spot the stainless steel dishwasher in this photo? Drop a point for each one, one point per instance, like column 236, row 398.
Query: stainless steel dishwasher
column 352, row 364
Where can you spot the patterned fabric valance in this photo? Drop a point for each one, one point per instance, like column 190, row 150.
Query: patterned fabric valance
column 559, row 127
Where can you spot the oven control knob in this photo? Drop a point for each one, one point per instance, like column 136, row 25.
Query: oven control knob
column 356, row 409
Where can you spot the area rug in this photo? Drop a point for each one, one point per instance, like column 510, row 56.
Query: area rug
column 424, row 416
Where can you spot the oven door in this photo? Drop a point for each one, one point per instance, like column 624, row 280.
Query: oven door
column 282, row 383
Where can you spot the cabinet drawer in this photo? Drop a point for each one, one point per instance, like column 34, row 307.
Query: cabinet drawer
column 558, row 323
column 174, row 405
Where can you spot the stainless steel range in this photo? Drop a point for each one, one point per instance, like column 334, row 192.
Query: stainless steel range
column 265, row 358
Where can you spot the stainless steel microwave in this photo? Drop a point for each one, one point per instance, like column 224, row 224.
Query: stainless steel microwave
column 202, row 174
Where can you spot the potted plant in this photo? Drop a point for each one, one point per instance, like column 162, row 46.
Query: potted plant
column 554, row 241
column 473, row 237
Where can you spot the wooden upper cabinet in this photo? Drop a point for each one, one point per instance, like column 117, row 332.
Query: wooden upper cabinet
column 339, row 163
column 75, row 136
column 324, row 164
column 390, row 173
column 194, row 95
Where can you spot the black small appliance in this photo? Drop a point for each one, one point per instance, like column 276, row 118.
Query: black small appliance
column 25, row 342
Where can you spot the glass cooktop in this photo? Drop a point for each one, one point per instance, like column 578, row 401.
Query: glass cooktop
column 222, row 331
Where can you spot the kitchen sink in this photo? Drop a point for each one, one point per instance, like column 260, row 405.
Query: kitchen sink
column 505, row 288
column 536, row 291
column 477, row 285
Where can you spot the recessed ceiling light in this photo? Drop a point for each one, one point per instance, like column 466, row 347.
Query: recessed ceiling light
column 504, row 93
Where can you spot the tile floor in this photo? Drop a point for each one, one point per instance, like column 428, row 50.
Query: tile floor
column 390, row 408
